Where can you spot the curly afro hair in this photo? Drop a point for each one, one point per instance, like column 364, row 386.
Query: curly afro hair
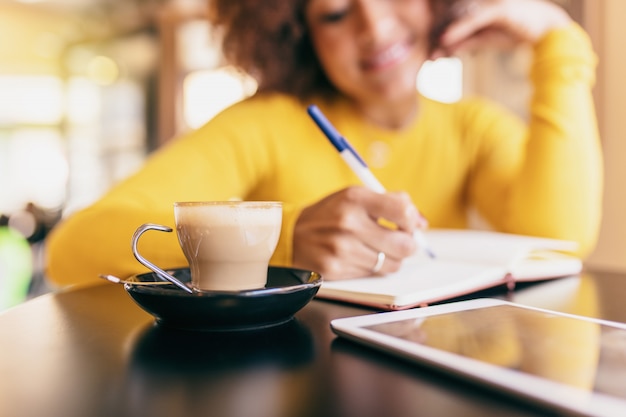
column 269, row 40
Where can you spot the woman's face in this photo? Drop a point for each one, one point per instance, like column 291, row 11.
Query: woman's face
column 371, row 50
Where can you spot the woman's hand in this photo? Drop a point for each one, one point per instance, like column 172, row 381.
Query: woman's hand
column 340, row 236
column 498, row 23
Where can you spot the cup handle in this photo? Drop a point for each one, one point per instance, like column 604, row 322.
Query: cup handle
column 160, row 273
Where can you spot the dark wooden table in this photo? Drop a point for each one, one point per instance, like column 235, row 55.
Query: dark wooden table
column 92, row 352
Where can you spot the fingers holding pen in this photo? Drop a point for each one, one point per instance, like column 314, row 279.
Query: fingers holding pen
column 341, row 235
column 398, row 208
column 388, row 223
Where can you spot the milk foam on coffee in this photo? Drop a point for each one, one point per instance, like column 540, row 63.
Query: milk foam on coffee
column 228, row 245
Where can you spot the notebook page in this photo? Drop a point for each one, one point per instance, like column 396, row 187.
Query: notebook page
column 417, row 282
column 488, row 247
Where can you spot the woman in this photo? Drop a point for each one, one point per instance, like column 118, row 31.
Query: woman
column 358, row 61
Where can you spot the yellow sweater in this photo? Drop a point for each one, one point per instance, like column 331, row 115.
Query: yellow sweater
column 539, row 178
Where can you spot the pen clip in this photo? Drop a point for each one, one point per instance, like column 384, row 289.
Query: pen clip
column 350, row 149
column 327, row 128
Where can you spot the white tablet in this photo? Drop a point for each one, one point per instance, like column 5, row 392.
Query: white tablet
column 567, row 362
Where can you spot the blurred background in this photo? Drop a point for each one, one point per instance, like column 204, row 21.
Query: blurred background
column 88, row 88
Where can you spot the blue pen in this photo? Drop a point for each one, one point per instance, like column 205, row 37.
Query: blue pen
column 357, row 164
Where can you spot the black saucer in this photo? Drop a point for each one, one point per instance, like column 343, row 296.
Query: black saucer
column 286, row 292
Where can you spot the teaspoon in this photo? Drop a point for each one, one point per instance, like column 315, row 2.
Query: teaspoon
column 116, row 280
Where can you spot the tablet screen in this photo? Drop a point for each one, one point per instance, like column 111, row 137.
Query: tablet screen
column 580, row 353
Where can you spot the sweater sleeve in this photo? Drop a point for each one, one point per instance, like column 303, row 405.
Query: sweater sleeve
column 549, row 182
column 216, row 162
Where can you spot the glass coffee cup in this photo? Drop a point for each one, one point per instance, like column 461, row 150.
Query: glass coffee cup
column 228, row 244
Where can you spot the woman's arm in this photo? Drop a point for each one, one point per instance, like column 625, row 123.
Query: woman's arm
column 553, row 187
column 221, row 161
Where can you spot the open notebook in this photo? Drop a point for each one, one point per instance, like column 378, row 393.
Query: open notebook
column 467, row 261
